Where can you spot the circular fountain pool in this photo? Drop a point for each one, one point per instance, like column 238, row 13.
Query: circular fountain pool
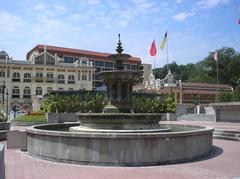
column 180, row 143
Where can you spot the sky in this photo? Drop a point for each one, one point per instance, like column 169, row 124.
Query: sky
column 195, row 27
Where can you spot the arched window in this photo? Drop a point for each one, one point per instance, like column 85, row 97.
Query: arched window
column 50, row 78
column 61, row 89
column 16, row 77
column 61, row 78
column 15, row 92
column 2, row 73
column 27, row 92
column 39, row 77
column 71, row 79
column 84, row 77
column 15, row 107
column 27, row 77
column 39, row 90
column 27, row 107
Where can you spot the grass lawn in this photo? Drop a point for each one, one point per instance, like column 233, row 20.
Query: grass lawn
column 31, row 118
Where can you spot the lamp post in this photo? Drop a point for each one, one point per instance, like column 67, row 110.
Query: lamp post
column 7, row 103
column 3, row 92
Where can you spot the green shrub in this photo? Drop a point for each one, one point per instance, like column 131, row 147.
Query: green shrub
column 154, row 104
column 94, row 102
column 85, row 102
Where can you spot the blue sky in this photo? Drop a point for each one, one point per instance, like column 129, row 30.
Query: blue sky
column 195, row 27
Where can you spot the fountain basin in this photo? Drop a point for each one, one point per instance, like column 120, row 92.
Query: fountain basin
column 56, row 142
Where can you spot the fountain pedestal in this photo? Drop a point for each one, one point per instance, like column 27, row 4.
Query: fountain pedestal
column 119, row 90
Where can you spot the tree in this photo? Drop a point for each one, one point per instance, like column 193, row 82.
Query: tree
column 205, row 71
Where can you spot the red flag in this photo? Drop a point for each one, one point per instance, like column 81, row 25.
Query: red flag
column 239, row 21
column 153, row 50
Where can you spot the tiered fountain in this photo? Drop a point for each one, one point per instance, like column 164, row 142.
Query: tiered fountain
column 118, row 113
column 118, row 136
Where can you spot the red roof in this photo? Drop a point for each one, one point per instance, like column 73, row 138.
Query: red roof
column 62, row 51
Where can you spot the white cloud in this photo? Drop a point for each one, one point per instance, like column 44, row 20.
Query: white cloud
column 94, row 2
column 60, row 7
column 181, row 16
column 9, row 22
column 40, row 7
column 206, row 4
column 178, row 1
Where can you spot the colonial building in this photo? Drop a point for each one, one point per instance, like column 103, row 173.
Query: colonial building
column 25, row 81
column 100, row 61
column 185, row 92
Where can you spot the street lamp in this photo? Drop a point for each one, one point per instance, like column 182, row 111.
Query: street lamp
column 7, row 103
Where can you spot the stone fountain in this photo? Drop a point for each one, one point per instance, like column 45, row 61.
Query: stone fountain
column 119, row 83
column 118, row 136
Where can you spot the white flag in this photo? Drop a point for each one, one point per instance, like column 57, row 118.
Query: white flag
column 215, row 56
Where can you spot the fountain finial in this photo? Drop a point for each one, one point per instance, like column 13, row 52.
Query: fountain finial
column 119, row 47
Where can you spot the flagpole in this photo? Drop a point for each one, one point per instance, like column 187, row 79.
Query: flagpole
column 167, row 54
column 154, row 62
column 216, row 59
column 217, row 83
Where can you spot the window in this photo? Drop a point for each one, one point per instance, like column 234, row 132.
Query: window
column 15, row 107
column 134, row 67
column 109, row 64
column 49, row 89
column 99, row 63
column 71, row 79
column 61, row 89
column 61, row 78
column 50, row 60
column 15, row 92
column 39, row 60
column 27, row 107
column 27, row 77
column 27, row 92
column 79, row 76
column 2, row 73
column 16, row 77
column 97, row 77
column 49, row 78
column 39, row 77
column 68, row 60
column 84, row 77
column 90, row 76
column 39, row 91
column 128, row 67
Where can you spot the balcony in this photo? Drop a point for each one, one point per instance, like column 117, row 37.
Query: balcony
column 60, row 81
column 16, row 80
column 71, row 82
column 27, row 80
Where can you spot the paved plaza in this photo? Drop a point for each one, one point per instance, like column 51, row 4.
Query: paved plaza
column 224, row 162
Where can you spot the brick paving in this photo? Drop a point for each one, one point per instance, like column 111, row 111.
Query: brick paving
column 224, row 163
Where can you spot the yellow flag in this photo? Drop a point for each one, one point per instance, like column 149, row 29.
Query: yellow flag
column 163, row 41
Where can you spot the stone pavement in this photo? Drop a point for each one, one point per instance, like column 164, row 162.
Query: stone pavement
column 223, row 163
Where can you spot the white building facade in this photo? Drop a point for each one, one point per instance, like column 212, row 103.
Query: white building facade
column 22, row 82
